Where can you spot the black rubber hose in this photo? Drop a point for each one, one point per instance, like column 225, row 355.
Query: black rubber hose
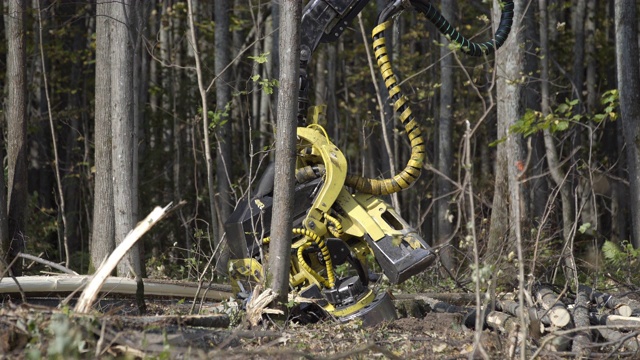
column 467, row 46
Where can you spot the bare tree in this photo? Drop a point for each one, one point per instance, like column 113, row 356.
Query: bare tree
column 122, row 126
column 223, row 126
column 103, row 231
column 507, row 210
column 16, row 120
column 628, row 71
column 282, row 221
column 444, row 154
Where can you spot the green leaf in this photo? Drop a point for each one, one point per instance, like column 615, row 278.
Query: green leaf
column 260, row 59
column 255, row 78
column 584, row 228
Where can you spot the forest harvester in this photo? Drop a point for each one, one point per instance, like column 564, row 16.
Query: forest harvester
column 340, row 220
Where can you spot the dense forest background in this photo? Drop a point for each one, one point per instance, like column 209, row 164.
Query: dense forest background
column 104, row 119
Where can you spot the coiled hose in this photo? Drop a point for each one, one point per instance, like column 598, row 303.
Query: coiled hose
column 330, row 282
column 412, row 170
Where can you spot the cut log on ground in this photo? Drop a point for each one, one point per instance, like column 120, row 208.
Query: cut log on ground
column 607, row 301
column 625, row 323
column 629, row 341
column 555, row 310
column 582, row 339
column 112, row 285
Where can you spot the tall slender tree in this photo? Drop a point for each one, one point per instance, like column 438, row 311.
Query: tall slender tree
column 444, row 154
column 628, row 71
column 122, row 126
column 282, row 221
column 103, row 231
column 16, row 120
column 507, row 210
column 223, row 125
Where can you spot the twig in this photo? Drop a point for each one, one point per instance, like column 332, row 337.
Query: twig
column 56, row 166
column 48, row 263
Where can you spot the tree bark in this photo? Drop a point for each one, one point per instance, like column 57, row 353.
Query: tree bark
column 282, row 221
column 628, row 71
column 16, row 120
column 444, row 152
column 103, row 231
column 122, row 127
column 223, row 127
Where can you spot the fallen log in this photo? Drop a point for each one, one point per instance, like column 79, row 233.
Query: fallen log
column 555, row 343
column 624, row 323
column 629, row 341
column 582, row 339
column 112, row 285
column 607, row 301
column 207, row 321
column 555, row 310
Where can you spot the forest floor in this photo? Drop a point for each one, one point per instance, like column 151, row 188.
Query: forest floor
column 38, row 329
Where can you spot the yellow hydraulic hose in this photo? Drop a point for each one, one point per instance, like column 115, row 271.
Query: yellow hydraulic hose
column 413, row 168
column 336, row 227
column 331, row 277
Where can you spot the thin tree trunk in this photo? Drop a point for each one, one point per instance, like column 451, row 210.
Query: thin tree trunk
column 205, row 125
column 444, row 152
column 282, row 221
column 223, row 128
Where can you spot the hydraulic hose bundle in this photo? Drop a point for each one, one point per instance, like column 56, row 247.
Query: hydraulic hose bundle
column 412, row 170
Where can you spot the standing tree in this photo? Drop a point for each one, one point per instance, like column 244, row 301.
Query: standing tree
column 507, row 212
column 103, row 232
column 282, row 221
column 221, row 120
column 122, row 126
column 16, row 120
column 444, row 154
column 628, row 71
column 113, row 209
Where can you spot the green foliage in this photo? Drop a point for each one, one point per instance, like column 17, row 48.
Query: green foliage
column 219, row 117
column 266, row 85
column 610, row 100
column 620, row 256
column 260, row 59
column 564, row 115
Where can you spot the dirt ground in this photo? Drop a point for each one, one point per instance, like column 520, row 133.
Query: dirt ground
column 38, row 331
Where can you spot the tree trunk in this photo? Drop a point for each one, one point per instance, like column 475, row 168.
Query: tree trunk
column 507, row 210
column 282, row 221
column 122, row 128
column 444, row 152
column 223, row 127
column 103, row 231
column 16, row 119
column 628, row 71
